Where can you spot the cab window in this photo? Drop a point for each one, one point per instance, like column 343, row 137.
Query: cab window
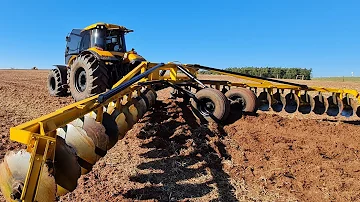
column 85, row 42
column 73, row 42
column 114, row 41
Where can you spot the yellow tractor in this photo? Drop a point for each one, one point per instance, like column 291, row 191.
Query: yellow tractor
column 65, row 144
column 96, row 59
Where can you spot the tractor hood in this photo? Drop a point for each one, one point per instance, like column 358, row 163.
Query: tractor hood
column 128, row 57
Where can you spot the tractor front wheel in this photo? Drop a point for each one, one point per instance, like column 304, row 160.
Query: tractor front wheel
column 55, row 84
column 88, row 77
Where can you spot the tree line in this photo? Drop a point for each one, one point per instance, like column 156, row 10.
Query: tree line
column 270, row 72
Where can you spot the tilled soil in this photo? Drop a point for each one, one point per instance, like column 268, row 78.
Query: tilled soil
column 169, row 156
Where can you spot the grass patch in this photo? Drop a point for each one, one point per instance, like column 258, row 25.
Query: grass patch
column 338, row 79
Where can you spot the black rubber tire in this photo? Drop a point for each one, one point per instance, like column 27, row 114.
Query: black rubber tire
column 247, row 97
column 96, row 77
column 219, row 102
column 54, row 84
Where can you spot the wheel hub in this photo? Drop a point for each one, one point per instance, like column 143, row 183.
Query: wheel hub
column 80, row 80
column 206, row 107
column 52, row 83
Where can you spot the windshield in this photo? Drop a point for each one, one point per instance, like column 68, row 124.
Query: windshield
column 110, row 40
column 98, row 38
column 115, row 41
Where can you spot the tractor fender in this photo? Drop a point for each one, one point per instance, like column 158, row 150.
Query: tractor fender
column 91, row 52
column 63, row 69
column 98, row 56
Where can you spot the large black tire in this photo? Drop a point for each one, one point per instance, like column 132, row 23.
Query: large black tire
column 241, row 99
column 210, row 105
column 55, row 84
column 88, row 77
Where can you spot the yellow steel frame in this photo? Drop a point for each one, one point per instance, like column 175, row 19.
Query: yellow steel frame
column 263, row 83
column 40, row 134
column 338, row 91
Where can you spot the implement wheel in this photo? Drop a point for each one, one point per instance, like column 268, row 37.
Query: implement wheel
column 55, row 84
column 241, row 99
column 88, row 77
column 210, row 105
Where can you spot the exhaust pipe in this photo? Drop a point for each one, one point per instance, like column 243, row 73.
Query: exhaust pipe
column 321, row 104
column 349, row 107
column 335, row 106
column 307, row 104
column 277, row 102
column 291, row 102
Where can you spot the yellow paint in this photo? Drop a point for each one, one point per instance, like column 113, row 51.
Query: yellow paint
column 134, row 112
column 122, row 125
column 61, row 191
column 71, row 60
column 103, row 53
column 107, row 26
column 173, row 73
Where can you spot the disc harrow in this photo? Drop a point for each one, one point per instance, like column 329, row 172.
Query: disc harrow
column 65, row 144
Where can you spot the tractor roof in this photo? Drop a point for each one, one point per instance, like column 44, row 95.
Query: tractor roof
column 108, row 26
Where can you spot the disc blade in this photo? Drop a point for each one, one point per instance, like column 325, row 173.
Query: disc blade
column 13, row 171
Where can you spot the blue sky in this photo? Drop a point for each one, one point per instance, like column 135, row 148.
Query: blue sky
column 318, row 34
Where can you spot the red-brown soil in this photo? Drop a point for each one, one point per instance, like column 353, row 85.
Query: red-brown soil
column 169, row 156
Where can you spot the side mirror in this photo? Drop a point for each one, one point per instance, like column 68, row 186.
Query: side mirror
column 68, row 39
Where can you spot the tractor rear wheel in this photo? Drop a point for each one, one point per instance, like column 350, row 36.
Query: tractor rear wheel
column 210, row 105
column 88, row 77
column 55, row 85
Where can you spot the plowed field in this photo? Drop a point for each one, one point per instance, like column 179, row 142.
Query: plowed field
column 168, row 156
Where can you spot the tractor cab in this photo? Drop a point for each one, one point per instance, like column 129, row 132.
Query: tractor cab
column 104, row 37
column 95, row 59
